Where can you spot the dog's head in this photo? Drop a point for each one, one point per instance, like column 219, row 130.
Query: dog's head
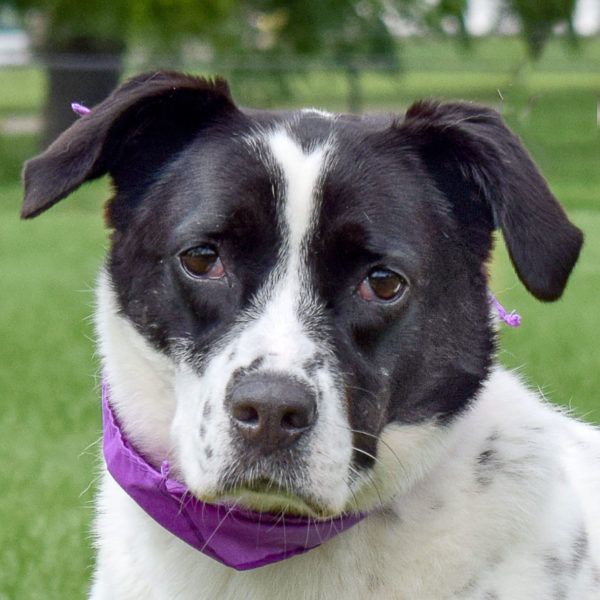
column 317, row 281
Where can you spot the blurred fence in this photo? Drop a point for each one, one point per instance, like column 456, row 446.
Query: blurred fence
column 494, row 70
column 343, row 86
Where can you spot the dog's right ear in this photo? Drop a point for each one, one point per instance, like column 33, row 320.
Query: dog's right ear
column 129, row 135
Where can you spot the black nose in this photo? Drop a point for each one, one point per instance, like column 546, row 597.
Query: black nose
column 271, row 411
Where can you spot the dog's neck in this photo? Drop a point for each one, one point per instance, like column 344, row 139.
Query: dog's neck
column 141, row 379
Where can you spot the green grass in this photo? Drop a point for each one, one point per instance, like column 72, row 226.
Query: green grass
column 22, row 90
column 556, row 348
column 49, row 410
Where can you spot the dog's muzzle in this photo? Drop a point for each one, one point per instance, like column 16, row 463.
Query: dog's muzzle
column 239, row 538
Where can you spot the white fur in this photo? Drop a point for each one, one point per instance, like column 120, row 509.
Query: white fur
column 441, row 535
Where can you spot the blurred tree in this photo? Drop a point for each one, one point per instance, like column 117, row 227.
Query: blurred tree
column 278, row 37
column 339, row 34
column 538, row 18
column 82, row 44
column 448, row 16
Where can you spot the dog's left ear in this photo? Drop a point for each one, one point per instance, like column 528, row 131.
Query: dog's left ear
column 485, row 171
column 139, row 127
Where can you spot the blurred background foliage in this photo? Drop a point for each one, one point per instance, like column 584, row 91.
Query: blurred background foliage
column 83, row 45
column 533, row 64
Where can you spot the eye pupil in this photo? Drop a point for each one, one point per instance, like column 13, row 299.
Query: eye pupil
column 386, row 284
column 202, row 261
column 383, row 284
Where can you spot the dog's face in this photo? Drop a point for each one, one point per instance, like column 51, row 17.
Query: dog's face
column 318, row 282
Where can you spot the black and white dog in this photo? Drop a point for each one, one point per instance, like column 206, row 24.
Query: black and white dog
column 294, row 311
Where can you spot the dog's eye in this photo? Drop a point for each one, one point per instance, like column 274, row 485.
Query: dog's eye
column 202, row 261
column 382, row 284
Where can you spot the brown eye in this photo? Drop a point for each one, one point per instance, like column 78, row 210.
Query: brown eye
column 202, row 261
column 382, row 284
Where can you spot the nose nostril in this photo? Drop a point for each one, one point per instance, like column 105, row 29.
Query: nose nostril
column 295, row 419
column 246, row 413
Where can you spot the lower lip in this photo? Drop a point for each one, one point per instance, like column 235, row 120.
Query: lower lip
column 270, row 502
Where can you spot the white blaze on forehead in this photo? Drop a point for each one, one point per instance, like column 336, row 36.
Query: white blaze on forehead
column 278, row 332
column 301, row 172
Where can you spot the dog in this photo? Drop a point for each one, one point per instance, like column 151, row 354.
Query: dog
column 294, row 320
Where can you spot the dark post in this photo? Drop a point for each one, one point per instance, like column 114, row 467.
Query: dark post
column 77, row 76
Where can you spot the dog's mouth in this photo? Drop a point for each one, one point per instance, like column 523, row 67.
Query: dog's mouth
column 267, row 496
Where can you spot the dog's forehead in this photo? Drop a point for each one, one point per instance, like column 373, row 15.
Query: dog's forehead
column 258, row 169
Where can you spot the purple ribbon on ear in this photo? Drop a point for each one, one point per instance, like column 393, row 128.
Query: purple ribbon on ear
column 512, row 318
column 80, row 109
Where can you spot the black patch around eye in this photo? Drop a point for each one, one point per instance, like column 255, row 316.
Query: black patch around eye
column 213, row 184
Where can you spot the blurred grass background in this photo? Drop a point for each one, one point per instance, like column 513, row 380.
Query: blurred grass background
column 49, row 409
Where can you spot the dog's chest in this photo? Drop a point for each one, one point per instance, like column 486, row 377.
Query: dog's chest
column 425, row 554
column 498, row 519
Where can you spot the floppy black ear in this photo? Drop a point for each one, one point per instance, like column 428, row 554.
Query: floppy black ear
column 137, row 128
column 484, row 168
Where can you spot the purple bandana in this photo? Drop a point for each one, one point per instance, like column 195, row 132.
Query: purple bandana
column 238, row 538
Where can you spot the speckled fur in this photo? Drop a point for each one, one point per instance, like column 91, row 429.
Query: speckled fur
column 505, row 507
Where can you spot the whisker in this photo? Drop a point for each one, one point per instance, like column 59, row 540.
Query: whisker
column 358, row 431
column 376, row 490
column 186, row 498
column 371, row 456
column 317, row 529
column 352, row 491
column 371, row 435
column 284, row 531
column 280, row 516
column 307, row 532
column 219, row 524
column 371, row 395
column 372, row 483
column 337, row 531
